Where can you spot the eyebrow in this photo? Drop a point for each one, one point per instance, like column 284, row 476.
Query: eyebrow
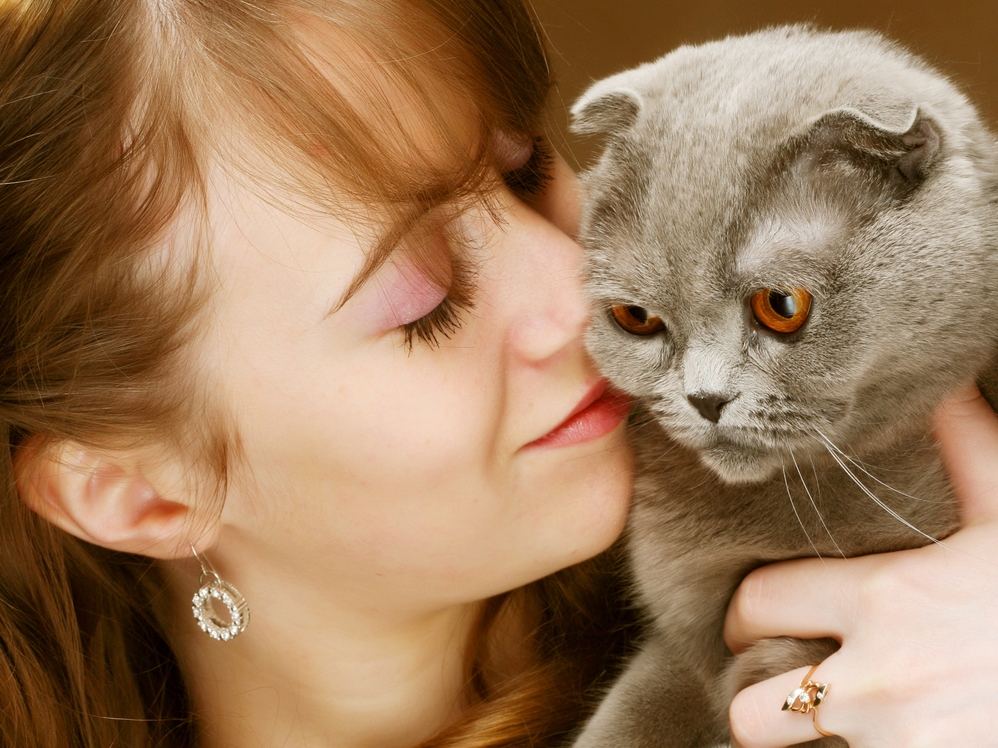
column 424, row 197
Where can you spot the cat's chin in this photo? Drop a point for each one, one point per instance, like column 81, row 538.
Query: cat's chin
column 738, row 465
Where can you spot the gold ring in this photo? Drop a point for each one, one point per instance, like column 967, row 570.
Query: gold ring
column 807, row 698
column 814, row 721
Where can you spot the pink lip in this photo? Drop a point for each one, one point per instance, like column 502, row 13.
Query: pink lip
column 597, row 414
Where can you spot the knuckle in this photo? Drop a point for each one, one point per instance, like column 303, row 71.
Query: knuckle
column 752, row 598
column 901, row 581
column 880, row 588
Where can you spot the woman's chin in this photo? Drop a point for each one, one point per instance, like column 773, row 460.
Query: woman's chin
column 587, row 492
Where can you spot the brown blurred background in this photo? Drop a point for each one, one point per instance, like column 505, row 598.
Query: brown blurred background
column 594, row 38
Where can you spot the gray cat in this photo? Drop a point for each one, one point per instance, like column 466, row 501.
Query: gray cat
column 792, row 244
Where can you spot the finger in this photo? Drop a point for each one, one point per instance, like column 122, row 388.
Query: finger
column 967, row 431
column 758, row 719
column 807, row 599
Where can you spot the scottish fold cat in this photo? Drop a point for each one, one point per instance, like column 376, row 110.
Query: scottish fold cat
column 792, row 243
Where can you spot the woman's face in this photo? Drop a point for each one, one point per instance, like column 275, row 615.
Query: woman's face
column 410, row 479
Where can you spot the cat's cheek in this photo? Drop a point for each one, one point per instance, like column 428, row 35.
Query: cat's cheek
column 633, row 365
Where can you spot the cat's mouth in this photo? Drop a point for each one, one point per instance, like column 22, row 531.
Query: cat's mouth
column 746, row 456
column 749, row 440
column 736, row 463
column 753, row 447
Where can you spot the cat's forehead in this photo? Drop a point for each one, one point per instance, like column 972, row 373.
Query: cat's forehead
column 794, row 240
column 720, row 226
column 696, row 191
column 702, row 161
column 728, row 103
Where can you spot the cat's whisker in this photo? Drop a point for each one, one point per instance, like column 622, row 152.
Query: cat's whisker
column 656, row 461
column 859, row 465
column 876, row 499
column 814, row 472
column 659, row 457
column 796, row 513
column 814, row 504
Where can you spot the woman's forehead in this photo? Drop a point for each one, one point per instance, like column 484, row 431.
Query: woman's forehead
column 416, row 132
column 266, row 251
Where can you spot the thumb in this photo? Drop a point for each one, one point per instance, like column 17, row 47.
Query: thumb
column 967, row 432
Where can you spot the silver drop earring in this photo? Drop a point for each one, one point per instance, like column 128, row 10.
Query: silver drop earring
column 227, row 595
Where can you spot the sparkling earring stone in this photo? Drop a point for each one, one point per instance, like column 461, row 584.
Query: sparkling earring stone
column 208, row 620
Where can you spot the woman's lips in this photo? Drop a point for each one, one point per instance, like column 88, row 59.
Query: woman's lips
column 597, row 414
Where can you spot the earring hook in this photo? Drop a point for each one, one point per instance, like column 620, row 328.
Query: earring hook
column 206, row 568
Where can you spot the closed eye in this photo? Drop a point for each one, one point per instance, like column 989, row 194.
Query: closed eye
column 444, row 320
column 533, row 176
column 527, row 180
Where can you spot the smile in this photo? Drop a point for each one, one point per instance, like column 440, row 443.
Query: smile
column 601, row 411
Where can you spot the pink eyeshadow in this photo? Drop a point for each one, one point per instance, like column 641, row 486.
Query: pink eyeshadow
column 407, row 294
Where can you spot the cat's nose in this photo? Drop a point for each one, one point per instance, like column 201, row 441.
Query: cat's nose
column 709, row 405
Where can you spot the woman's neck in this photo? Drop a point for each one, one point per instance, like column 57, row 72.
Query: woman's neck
column 311, row 672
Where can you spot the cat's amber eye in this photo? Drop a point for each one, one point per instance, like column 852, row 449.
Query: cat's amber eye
column 779, row 311
column 636, row 320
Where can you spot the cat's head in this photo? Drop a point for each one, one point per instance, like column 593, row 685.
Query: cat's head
column 792, row 241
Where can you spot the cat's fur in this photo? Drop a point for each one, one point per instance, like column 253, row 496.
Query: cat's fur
column 836, row 162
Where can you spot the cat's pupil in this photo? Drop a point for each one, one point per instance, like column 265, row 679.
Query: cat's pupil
column 639, row 313
column 785, row 306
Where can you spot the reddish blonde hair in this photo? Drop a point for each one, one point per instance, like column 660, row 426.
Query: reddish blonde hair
column 113, row 112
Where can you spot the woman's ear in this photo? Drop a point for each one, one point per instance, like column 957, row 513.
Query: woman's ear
column 126, row 501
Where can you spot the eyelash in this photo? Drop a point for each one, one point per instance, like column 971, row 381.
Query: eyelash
column 445, row 319
column 533, row 177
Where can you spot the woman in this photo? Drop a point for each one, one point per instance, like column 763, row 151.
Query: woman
column 287, row 305
column 291, row 319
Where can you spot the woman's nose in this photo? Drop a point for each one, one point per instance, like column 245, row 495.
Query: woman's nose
column 551, row 313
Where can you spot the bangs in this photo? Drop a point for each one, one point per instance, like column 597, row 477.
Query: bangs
column 390, row 108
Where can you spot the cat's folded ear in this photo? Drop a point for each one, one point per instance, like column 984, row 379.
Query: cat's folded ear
column 610, row 106
column 899, row 153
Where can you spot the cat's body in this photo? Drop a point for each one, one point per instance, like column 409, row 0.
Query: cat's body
column 785, row 160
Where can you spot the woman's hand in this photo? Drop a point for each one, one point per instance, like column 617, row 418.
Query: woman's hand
column 919, row 629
